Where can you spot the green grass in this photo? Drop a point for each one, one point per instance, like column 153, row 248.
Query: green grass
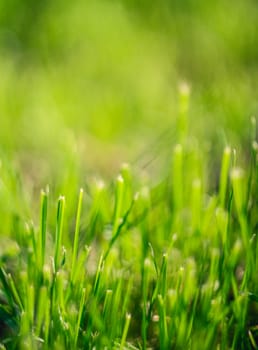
column 128, row 175
column 171, row 266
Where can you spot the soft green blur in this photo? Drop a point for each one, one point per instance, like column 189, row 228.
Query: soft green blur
column 86, row 85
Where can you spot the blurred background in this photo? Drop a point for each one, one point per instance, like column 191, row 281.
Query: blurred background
column 87, row 85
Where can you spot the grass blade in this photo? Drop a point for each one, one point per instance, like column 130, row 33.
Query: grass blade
column 76, row 235
column 59, row 231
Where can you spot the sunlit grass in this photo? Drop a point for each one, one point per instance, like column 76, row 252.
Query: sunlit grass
column 177, row 272
column 157, row 253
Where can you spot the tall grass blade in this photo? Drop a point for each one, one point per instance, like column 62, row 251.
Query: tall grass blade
column 43, row 229
column 76, row 235
column 224, row 176
column 125, row 331
column 59, row 232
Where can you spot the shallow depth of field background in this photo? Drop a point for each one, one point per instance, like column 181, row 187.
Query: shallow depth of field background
column 86, row 85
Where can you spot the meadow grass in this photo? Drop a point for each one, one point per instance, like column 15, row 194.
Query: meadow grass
column 169, row 266
column 164, row 255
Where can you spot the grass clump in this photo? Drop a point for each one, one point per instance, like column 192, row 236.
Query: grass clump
column 145, row 267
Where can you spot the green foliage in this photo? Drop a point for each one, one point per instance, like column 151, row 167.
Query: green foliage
column 159, row 253
column 159, row 274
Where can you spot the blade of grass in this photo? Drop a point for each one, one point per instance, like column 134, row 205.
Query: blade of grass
column 59, row 231
column 79, row 318
column 224, row 176
column 184, row 95
column 43, row 229
column 125, row 331
column 76, row 235
column 177, row 177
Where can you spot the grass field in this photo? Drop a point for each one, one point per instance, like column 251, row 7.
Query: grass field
column 128, row 175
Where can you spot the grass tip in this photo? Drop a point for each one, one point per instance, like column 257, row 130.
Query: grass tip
column 145, row 192
column 136, row 196
column 253, row 120
column 227, row 150
column 196, row 183
column 237, row 246
column 155, row 318
column 181, row 270
column 125, row 166
column 178, row 148
column 237, row 173
column 147, row 263
column 46, row 272
column 234, row 157
column 120, row 178
column 255, row 146
column 184, row 88
column 100, row 184
column 174, row 237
